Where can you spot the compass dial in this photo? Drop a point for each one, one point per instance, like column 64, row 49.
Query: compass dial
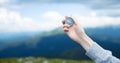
column 69, row 21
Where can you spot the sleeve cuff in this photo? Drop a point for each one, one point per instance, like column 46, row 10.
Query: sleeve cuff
column 96, row 52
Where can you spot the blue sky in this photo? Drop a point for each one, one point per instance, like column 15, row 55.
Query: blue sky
column 44, row 15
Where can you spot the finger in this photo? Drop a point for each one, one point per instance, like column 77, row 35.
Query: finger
column 66, row 29
column 63, row 22
column 76, row 22
column 66, row 26
column 66, row 17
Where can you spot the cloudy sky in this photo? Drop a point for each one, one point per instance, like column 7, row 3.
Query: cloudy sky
column 42, row 15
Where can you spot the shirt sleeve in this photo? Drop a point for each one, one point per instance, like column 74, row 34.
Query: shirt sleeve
column 100, row 55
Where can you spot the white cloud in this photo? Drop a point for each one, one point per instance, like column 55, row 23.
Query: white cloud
column 12, row 21
column 86, row 21
column 8, row 2
column 4, row 1
column 52, row 15
column 52, row 19
column 94, row 21
column 93, row 14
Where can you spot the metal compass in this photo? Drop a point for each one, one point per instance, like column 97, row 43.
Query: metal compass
column 69, row 21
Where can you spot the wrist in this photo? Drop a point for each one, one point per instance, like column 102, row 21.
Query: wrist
column 85, row 41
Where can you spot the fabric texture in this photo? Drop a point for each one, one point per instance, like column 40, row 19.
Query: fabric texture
column 100, row 55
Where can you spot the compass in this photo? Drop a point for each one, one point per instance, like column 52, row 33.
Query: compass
column 69, row 21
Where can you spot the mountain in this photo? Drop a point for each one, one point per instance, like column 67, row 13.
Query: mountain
column 56, row 44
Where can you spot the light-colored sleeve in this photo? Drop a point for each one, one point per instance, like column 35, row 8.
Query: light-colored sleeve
column 100, row 55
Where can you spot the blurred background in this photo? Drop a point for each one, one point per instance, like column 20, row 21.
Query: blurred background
column 31, row 30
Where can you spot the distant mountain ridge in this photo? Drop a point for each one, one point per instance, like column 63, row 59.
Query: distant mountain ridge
column 56, row 44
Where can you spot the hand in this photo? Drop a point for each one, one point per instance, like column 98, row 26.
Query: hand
column 76, row 32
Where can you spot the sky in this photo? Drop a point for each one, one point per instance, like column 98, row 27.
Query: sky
column 45, row 15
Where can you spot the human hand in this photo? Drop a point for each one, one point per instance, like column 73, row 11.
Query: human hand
column 75, row 31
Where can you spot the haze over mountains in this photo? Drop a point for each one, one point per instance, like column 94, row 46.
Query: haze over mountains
column 56, row 44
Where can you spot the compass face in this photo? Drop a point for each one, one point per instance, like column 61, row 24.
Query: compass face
column 69, row 21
